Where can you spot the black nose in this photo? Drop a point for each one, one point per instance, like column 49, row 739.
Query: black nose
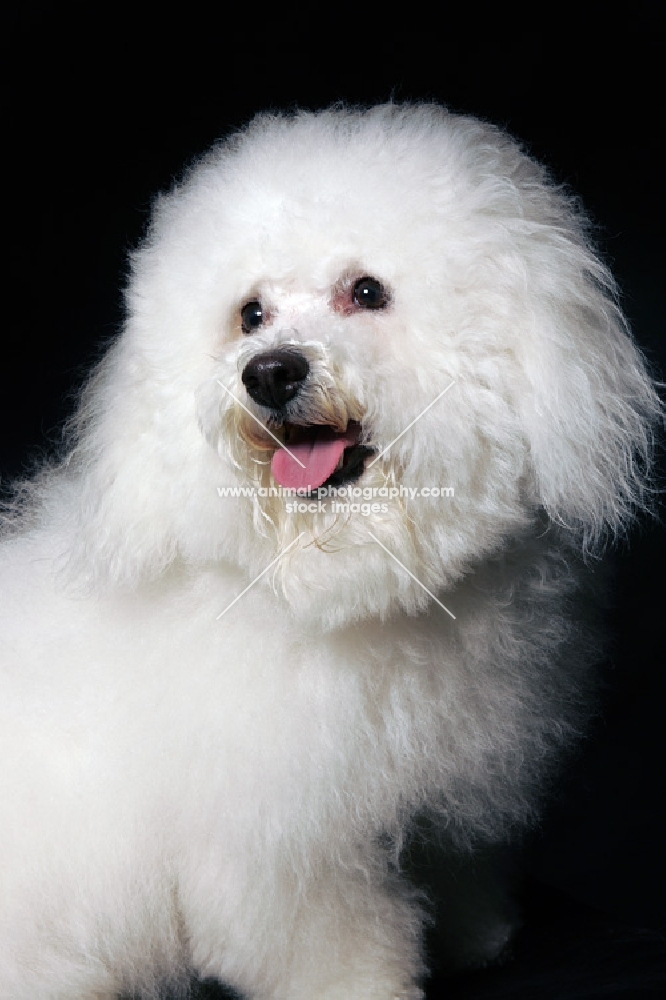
column 272, row 378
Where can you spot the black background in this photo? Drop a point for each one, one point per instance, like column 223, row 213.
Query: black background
column 101, row 108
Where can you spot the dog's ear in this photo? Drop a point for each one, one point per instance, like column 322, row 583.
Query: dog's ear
column 128, row 477
column 589, row 408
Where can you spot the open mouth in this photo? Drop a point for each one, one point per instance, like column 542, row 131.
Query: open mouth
column 318, row 456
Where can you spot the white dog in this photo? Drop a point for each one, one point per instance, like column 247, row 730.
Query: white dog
column 223, row 704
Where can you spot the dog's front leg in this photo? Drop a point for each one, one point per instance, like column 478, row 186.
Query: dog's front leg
column 333, row 931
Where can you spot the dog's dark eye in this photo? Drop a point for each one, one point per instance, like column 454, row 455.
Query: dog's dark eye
column 252, row 315
column 368, row 293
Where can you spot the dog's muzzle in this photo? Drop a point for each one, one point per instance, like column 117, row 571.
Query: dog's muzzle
column 314, row 453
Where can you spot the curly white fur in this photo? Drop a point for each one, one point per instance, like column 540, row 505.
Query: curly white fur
column 183, row 794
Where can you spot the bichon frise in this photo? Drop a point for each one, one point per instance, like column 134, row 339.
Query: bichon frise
column 313, row 566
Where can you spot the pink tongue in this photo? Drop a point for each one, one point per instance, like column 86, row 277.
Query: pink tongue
column 318, row 454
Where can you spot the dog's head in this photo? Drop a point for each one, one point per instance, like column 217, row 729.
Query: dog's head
column 389, row 330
